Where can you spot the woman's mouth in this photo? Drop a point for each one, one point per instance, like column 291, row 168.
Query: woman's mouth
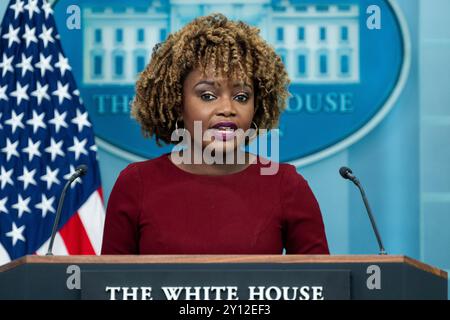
column 224, row 131
column 223, row 135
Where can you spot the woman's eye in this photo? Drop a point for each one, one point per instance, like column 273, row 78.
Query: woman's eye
column 241, row 98
column 207, row 97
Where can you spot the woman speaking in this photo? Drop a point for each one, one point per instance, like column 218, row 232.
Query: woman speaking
column 219, row 77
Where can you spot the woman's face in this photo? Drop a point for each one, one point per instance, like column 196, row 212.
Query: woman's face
column 221, row 105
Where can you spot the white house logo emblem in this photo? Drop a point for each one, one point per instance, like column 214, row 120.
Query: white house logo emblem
column 345, row 75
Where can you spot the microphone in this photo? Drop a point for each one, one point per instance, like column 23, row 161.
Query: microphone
column 347, row 173
column 80, row 171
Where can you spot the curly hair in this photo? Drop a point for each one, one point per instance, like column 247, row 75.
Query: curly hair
column 231, row 49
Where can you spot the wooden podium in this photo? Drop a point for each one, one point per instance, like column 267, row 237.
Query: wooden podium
column 221, row 277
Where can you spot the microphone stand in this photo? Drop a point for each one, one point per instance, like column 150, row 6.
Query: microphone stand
column 57, row 217
column 80, row 171
column 347, row 173
column 372, row 220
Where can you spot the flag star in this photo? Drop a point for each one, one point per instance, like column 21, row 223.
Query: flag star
column 5, row 177
column 55, row 149
column 47, row 9
column 16, row 234
column 78, row 147
column 63, row 64
column 11, row 149
column 15, row 121
column 37, row 121
column 46, row 205
column 32, row 7
column 59, row 120
column 6, row 64
column 3, row 205
column 12, row 35
column 81, row 120
column 50, row 177
column 46, row 35
column 29, row 35
column 25, row 64
column 32, row 149
column 3, row 95
column 27, row 177
column 17, row 7
column 70, row 174
column 41, row 92
column 62, row 92
column 44, row 63
column 20, row 93
column 22, row 206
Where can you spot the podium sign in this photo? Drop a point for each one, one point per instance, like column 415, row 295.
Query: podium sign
column 205, row 284
column 221, row 277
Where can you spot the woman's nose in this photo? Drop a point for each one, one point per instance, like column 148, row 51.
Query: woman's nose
column 227, row 107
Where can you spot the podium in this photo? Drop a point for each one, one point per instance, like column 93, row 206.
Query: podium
column 221, row 277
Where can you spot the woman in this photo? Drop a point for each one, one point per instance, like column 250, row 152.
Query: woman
column 220, row 76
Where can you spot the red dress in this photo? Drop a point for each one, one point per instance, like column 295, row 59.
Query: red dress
column 157, row 208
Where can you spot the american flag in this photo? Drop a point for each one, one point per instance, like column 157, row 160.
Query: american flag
column 45, row 133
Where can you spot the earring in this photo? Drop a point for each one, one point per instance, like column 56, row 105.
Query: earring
column 176, row 127
column 256, row 130
column 176, row 124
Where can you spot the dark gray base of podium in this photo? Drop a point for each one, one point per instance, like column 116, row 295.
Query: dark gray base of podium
column 338, row 280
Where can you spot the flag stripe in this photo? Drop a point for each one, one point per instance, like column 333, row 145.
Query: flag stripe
column 92, row 216
column 100, row 193
column 59, row 247
column 4, row 256
column 75, row 237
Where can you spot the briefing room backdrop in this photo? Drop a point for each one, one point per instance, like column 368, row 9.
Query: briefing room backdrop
column 402, row 158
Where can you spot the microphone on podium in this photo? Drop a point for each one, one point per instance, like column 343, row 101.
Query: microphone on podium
column 347, row 173
column 80, row 171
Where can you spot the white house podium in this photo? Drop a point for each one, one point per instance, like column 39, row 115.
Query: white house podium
column 221, row 277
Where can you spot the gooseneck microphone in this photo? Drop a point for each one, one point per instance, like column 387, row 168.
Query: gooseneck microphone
column 79, row 172
column 347, row 173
